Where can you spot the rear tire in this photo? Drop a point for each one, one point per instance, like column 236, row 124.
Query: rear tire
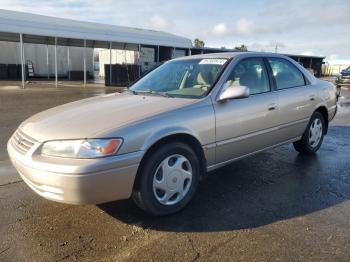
column 312, row 138
column 168, row 179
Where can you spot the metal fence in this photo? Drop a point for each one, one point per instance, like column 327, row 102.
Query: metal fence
column 333, row 69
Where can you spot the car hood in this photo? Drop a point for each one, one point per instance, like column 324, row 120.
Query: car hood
column 88, row 117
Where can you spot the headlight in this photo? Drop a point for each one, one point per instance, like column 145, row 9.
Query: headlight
column 84, row 148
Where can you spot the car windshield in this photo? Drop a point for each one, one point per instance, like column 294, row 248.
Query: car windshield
column 188, row 78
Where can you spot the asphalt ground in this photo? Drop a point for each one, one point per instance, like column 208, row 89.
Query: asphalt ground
column 273, row 206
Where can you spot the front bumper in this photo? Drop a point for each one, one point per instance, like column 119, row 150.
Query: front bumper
column 77, row 181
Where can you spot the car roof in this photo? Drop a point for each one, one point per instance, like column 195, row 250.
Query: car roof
column 229, row 55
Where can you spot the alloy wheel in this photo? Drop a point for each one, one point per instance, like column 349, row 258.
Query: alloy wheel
column 315, row 132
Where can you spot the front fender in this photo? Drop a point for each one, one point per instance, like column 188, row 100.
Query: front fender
column 169, row 131
column 196, row 120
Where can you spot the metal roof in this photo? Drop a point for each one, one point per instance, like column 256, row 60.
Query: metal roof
column 39, row 26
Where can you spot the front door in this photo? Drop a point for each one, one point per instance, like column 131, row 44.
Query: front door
column 244, row 126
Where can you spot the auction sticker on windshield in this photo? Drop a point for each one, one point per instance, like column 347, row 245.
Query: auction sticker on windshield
column 212, row 61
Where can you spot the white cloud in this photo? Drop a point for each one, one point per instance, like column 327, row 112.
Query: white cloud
column 274, row 21
column 342, row 62
column 219, row 29
column 267, row 46
column 333, row 56
column 158, row 22
column 245, row 26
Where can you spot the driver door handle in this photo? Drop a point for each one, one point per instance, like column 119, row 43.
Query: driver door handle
column 272, row 107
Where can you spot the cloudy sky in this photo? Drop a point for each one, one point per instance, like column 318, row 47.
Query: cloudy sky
column 302, row 27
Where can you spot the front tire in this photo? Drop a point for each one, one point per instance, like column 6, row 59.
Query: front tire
column 312, row 138
column 169, row 179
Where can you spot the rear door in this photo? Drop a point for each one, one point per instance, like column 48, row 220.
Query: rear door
column 246, row 125
column 296, row 98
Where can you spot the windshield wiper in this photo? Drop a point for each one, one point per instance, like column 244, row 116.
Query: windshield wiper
column 126, row 90
column 129, row 91
column 152, row 92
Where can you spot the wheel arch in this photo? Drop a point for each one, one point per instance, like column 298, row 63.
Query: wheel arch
column 183, row 137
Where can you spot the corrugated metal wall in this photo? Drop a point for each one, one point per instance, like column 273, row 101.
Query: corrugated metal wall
column 37, row 53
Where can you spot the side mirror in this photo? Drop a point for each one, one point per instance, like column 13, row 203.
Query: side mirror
column 234, row 92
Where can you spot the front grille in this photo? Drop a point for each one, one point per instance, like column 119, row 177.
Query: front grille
column 22, row 142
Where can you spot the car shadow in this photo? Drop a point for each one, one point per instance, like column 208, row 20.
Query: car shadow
column 271, row 186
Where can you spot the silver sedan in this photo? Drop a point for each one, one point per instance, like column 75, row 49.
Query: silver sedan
column 157, row 139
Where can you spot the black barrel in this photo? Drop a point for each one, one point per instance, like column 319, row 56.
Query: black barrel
column 4, row 72
column 13, row 72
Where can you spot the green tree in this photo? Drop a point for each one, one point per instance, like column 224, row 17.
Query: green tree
column 198, row 43
column 242, row 48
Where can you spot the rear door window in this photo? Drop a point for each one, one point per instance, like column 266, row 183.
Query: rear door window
column 285, row 73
